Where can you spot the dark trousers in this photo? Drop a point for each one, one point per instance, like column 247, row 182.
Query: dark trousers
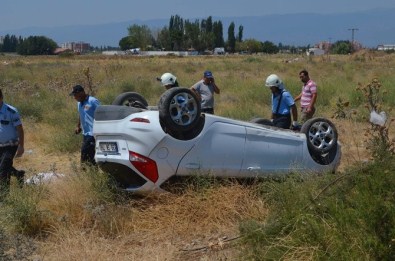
column 7, row 155
column 88, row 150
column 208, row 110
column 282, row 121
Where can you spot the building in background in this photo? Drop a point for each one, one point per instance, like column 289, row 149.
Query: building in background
column 386, row 47
column 77, row 47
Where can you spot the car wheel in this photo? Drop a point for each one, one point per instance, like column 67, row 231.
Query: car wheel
column 321, row 136
column 262, row 121
column 132, row 99
column 179, row 109
column 327, row 158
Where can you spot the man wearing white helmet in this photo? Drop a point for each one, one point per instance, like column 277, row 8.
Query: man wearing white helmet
column 168, row 80
column 283, row 104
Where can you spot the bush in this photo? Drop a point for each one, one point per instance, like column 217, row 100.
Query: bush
column 328, row 217
column 21, row 212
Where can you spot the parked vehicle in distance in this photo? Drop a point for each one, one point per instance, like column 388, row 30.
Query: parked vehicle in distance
column 219, row 51
column 142, row 147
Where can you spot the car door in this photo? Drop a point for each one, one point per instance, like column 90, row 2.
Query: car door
column 269, row 150
column 219, row 151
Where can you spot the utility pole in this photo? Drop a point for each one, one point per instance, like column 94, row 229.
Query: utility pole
column 352, row 38
column 352, row 33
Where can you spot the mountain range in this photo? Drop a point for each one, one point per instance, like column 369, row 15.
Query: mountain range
column 370, row 28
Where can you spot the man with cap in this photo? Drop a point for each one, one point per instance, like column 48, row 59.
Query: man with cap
column 205, row 90
column 86, row 106
column 12, row 140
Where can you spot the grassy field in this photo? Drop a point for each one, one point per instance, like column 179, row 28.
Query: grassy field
column 346, row 216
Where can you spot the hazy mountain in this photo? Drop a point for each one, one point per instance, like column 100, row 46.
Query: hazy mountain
column 375, row 27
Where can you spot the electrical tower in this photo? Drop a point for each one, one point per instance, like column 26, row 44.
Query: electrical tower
column 352, row 34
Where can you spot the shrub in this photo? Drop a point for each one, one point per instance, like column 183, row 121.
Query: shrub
column 345, row 217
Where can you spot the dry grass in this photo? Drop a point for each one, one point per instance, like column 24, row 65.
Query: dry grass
column 156, row 227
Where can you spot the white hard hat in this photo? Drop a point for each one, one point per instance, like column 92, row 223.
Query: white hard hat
column 168, row 79
column 274, row 80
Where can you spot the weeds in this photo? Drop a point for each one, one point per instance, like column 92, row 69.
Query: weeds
column 377, row 135
column 21, row 212
column 89, row 80
column 342, row 110
column 353, row 218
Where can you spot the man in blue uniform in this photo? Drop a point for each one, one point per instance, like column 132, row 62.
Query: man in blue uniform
column 86, row 106
column 11, row 144
column 283, row 105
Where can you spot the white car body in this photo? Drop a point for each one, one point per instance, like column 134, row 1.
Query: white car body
column 224, row 147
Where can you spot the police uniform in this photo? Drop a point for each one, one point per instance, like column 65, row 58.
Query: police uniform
column 9, row 140
column 86, row 110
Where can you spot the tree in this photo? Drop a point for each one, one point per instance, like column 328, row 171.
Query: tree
column 176, row 30
column 231, row 37
column 240, row 34
column 342, row 47
column 207, row 37
column 10, row 43
column 218, row 34
column 124, row 43
column 192, row 35
column 164, row 40
column 139, row 37
column 252, row 46
column 209, row 24
column 269, row 47
column 37, row 45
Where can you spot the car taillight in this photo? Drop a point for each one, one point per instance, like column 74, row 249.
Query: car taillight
column 144, row 165
column 140, row 120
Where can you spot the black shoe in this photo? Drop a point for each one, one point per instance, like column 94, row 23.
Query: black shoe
column 20, row 176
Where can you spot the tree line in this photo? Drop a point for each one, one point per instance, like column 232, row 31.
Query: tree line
column 201, row 36
column 205, row 35
column 32, row 45
column 179, row 35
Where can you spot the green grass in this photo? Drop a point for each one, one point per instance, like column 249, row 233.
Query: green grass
column 334, row 217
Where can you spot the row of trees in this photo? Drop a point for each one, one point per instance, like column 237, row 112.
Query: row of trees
column 33, row 45
column 182, row 35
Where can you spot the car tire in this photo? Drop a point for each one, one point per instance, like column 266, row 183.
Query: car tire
column 321, row 136
column 327, row 158
column 262, row 121
column 179, row 109
column 132, row 99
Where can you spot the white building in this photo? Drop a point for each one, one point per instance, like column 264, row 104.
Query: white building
column 386, row 47
column 315, row 51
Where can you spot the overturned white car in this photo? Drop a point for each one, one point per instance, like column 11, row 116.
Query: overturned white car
column 142, row 147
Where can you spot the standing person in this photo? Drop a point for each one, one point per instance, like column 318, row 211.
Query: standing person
column 86, row 108
column 283, row 104
column 12, row 140
column 205, row 90
column 168, row 80
column 307, row 97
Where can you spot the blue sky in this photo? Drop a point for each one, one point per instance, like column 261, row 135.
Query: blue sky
column 17, row 14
